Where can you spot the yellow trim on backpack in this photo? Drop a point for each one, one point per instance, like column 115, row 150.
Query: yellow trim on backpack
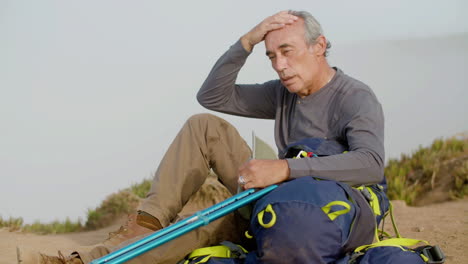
column 392, row 242
column 268, row 209
column 374, row 200
column 215, row 251
column 333, row 215
column 426, row 259
column 395, row 228
column 220, row 251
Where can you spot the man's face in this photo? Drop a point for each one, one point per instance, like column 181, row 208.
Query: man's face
column 292, row 58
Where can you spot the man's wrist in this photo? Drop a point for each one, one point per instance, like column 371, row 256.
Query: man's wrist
column 246, row 43
column 285, row 169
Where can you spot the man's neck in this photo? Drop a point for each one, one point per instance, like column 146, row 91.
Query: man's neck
column 323, row 78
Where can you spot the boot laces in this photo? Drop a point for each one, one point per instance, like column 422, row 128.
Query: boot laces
column 122, row 229
column 53, row 260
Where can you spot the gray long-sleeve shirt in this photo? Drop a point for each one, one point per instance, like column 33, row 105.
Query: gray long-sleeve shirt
column 345, row 110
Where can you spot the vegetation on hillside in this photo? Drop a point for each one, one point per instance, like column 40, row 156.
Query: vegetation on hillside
column 433, row 174
column 113, row 207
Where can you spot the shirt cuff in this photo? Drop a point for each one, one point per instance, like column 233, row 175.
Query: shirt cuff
column 297, row 168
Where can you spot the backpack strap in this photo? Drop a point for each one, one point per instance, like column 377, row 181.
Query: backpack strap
column 392, row 242
column 371, row 197
column 237, row 251
column 225, row 250
column 364, row 224
column 429, row 254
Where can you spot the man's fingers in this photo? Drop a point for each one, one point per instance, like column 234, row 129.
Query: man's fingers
column 249, row 185
column 253, row 184
column 282, row 18
column 257, row 34
column 277, row 22
column 247, row 182
column 272, row 27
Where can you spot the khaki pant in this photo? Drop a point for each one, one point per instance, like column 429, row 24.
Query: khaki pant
column 205, row 142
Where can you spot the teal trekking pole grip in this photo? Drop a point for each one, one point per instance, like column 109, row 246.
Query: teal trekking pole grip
column 171, row 232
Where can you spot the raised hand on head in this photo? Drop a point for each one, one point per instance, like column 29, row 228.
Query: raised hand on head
column 274, row 22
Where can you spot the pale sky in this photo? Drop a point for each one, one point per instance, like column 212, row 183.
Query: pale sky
column 93, row 92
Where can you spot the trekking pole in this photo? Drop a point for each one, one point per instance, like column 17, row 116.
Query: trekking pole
column 171, row 232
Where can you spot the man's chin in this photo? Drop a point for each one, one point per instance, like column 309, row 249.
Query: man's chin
column 292, row 88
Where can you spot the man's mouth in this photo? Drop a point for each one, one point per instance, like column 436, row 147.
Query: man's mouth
column 287, row 79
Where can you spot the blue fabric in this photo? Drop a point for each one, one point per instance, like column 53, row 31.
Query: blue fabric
column 389, row 255
column 303, row 233
column 224, row 261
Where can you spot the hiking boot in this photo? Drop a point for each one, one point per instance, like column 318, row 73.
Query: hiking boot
column 25, row 257
column 137, row 224
column 146, row 220
column 73, row 259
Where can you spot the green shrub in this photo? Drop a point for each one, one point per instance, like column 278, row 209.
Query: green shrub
column 409, row 176
column 13, row 223
column 56, row 227
column 141, row 189
column 114, row 206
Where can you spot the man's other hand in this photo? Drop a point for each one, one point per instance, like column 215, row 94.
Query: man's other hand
column 259, row 173
column 257, row 34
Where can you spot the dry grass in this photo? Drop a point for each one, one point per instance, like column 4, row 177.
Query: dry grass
column 55, row 227
column 440, row 171
column 111, row 209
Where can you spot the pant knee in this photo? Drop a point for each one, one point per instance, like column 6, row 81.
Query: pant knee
column 203, row 117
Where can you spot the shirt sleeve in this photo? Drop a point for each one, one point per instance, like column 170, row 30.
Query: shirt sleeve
column 220, row 92
column 362, row 123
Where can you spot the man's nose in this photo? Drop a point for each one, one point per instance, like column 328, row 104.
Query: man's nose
column 280, row 64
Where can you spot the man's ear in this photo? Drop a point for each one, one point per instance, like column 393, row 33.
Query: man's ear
column 320, row 46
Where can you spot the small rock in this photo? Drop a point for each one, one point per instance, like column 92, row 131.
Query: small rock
column 417, row 229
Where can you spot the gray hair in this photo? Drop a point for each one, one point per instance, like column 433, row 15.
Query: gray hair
column 312, row 27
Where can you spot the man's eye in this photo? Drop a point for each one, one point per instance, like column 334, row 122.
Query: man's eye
column 271, row 57
column 287, row 52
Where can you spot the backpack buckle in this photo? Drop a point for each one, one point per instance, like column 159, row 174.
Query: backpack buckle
column 365, row 192
column 434, row 254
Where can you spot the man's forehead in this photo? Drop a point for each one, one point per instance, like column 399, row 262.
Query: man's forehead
column 286, row 36
column 282, row 46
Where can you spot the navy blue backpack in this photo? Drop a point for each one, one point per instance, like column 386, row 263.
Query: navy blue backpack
column 310, row 220
column 307, row 220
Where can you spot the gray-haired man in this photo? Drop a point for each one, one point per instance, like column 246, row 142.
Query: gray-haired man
column 310, row 100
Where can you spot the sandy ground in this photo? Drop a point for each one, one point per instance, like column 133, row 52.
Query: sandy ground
column 444, row 224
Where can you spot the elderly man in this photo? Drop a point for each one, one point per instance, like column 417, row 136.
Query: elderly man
column 310, row 100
